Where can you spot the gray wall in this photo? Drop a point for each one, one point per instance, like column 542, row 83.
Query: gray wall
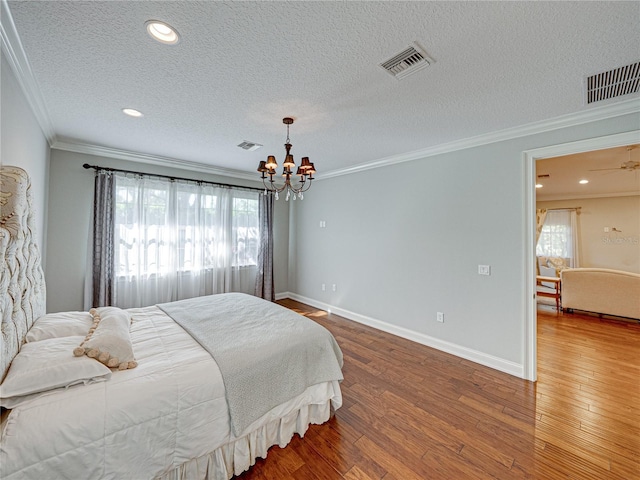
column 23, row 144
column 70, row 203
column 401, row 242
column 404, row 242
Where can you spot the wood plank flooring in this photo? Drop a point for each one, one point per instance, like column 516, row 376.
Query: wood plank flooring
column 412, row 412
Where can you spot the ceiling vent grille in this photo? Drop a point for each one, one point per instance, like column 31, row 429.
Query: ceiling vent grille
column 409, row 61
column 614, row 83
column 251, row 146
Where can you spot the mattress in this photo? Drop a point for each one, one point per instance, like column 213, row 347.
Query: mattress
column 168, row 417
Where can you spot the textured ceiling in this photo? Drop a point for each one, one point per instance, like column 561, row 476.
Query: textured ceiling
column 243, row 66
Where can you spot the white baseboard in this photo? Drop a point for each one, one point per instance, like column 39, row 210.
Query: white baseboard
column 281, row 295
column 481, row 358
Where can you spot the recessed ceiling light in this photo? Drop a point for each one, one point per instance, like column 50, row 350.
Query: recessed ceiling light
column 538, row 185
column 162, row 32
column 132, row 112
column 583, row 182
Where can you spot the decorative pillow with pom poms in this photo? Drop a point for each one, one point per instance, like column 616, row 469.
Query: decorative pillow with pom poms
column 108, row 340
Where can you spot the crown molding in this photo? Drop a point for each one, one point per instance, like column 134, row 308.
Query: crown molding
column 554, row 198
column 151, row 159
column 593, row 114
column 17, row 59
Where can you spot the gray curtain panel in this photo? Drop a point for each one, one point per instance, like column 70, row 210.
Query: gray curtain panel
column 264, row 279
column 103, row 222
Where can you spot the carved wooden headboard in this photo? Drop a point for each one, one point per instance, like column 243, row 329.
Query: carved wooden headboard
column 22, row 287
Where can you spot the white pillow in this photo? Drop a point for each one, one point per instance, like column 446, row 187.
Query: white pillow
column 108, row 340
column 47, row 365
column 56, row 325
column 548, row 272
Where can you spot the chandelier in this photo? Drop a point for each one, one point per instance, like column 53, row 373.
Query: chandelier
column 305, row 171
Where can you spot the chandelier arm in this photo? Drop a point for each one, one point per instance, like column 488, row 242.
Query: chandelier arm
column 308, row 185
column 269, row 188
column 301, row 188
column 272, row 187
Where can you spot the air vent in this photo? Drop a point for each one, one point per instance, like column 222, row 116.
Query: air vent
column 544, row 175
column 614, row 83
column 251, row 146
column 409, row 61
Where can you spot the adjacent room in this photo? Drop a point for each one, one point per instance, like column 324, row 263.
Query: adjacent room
column 319, row 240
column 584, row 205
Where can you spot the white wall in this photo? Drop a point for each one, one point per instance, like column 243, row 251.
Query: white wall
column 70, row 204
column 600, row 249
column 404, row 242
column 23, row 144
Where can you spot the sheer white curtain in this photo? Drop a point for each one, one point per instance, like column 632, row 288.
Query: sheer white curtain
column 176, row 240
column 559, row 236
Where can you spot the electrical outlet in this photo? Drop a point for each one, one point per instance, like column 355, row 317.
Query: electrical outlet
column 324, row 287
column 334, row 287
column 484, row 269
column 440, row 317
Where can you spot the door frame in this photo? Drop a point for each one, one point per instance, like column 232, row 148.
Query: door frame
column 530, row 157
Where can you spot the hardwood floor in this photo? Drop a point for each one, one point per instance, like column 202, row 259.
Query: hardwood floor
column 412, row 412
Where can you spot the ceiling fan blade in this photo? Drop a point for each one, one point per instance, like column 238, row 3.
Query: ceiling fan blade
column 628, row 166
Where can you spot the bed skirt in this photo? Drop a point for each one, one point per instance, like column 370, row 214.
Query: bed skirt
column 239, row 455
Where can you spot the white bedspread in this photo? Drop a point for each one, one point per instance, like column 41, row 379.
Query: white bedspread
column 142, row 423
column 266, row 353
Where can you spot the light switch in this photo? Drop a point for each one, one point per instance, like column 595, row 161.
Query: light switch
column 484, row 269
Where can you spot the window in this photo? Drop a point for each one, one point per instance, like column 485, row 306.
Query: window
column 558, row 237
column 164, row 226
column 245, row 231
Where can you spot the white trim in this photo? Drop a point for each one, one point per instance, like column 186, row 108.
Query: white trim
column 19, row 63
column 529, row 346
column 530, row 157
column 283, row 295
column 448, row 347
column 570, row 120
column 587, row 145
column 152, row 159
column 593, row 114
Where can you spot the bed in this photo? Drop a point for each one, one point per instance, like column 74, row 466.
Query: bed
column 173, row 411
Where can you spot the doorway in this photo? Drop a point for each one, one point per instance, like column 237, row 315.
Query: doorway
column 530, row 157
